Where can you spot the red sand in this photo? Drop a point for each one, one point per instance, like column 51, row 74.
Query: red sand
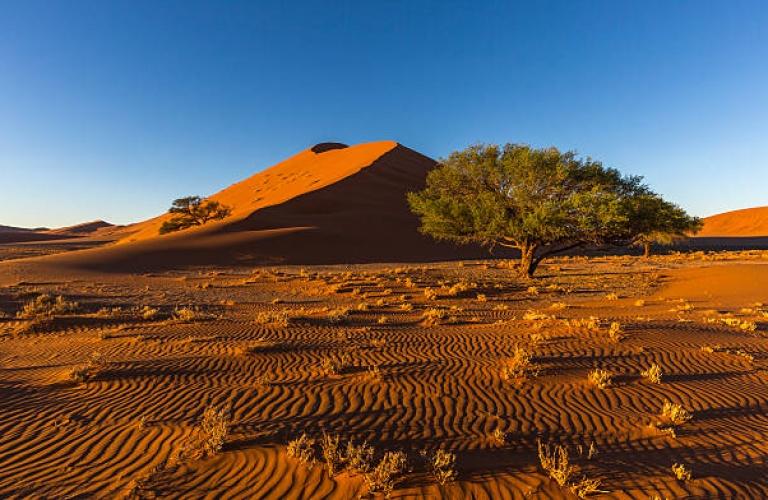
column 748, row 222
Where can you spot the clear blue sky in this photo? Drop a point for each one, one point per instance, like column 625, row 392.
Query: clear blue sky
column 110, row 109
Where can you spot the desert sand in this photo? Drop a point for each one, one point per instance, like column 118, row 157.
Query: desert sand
column 258, row 343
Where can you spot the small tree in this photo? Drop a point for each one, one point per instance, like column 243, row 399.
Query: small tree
column 656, row 220
column 193, row 211
column 539, row 201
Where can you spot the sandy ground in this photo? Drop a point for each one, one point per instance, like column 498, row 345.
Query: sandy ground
column 151, row 376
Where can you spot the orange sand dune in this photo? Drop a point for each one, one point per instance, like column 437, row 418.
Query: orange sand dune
column 340, row 205
column 738, row 223
column 97, row 228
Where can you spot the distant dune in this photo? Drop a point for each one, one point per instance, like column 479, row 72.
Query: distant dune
column 748, row 222
column 328, row 204
column 9, row 234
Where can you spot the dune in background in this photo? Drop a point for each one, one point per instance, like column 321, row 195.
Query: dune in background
column 97, row 228
column 328, row 204
column 748, row 222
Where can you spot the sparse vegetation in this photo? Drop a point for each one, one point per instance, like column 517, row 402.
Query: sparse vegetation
column 193, row 211
column 681, row 472
column 601, row 379
column 387, row 473
column 519, row 366
column 653, row 374
column 303, row 450
column 208, row 437
column 46, row 306
column 442, row 466
column 674, row 414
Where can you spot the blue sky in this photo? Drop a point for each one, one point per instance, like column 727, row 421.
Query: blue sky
column 112, row 109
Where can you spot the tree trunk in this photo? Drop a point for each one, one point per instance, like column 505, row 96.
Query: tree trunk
column 646, row 249
column 528, row 262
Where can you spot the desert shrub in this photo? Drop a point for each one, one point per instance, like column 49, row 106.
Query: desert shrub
column 675, row 414
column 359, row 458
column 459, row 288
column 615, row 332
column 591, row 324
column 302, row 449
column 601, row 379
column 334, row 365
column 442, row 466
column 653, row 374
column 331, row 451
column 433, row 316
column 148, row 313
column 586, row 487
column 91, row 370
column 555, row 462
column 259, row 346
column 639, row 303
column 681, row 472
column 279, row 319
column 46, row 306
column 499, row 437
column 188, row 314
column 519, row 366
column 611, row 296
column 430, row 294
column 387, row 473
column 531, row 315
column 207, row 438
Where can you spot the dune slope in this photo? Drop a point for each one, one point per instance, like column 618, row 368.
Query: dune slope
column 748, row 222
column 341, row 205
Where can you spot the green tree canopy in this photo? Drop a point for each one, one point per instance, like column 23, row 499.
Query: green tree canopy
column 539, row 201
column 193, row 211
column 656, row 220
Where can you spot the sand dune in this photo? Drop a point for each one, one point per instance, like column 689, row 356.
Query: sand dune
column 748, row 222
column 9, row 234
column 337, row 205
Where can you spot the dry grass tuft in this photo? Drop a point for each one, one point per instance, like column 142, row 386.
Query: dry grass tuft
column 555, row 462
column 279, row 319
column 681, row 472
column 331, row 451
column 207, row 438
column 601, row 379
column 674, row 414
column 46, row 306
column 303, row 450
column 387, row 473
column 442, row 466
column 653, row 374
column 359, row 458
column 519, row 366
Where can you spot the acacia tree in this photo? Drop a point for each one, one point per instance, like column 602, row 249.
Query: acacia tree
column 193, row 211
column 656, row 220
column 539, row 201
